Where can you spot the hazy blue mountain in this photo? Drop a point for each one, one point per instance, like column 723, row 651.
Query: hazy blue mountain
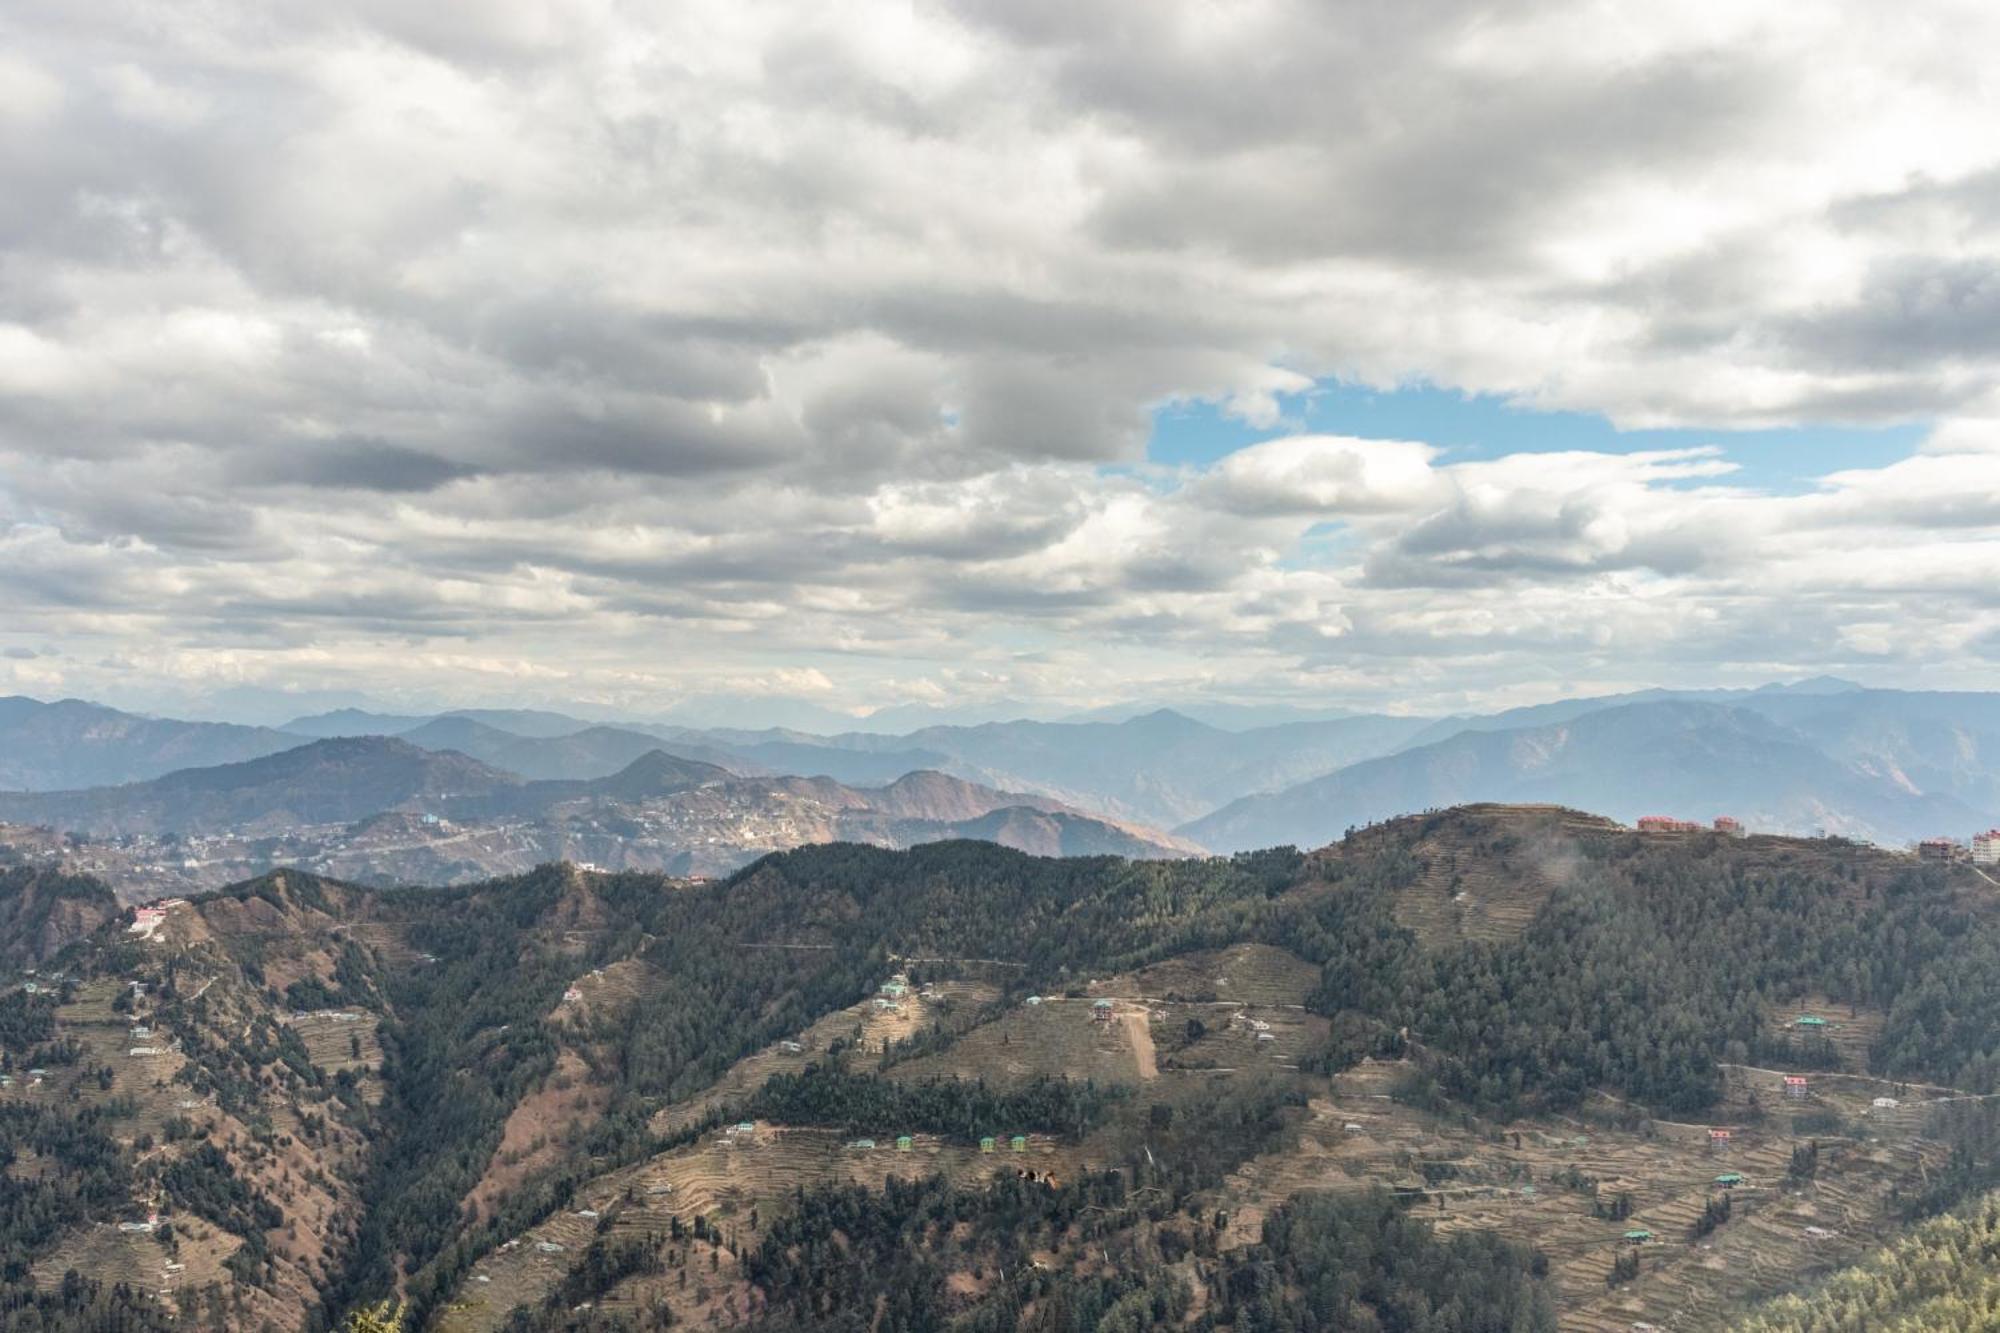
column 1224, row 716
column 1816, row 689
column 334, row 781
column 359, row 722
column 355, row 722
column 1677, row 757
column 71, row 743
column 1160, row 768
column 1926, row 742
column 1922, row 741
column 594, row 752
column 533, row 722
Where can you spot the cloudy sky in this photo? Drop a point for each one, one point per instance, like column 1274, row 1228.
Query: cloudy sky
column 1423, row 354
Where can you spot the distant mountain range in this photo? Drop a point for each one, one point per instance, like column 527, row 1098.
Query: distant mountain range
column 72, row 743
column 1891, row 765
column 1161, row 767
column 324, row 782
column 376, row 807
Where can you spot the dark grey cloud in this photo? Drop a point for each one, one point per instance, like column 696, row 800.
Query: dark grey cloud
column 362, row 464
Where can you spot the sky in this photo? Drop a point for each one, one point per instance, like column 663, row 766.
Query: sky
column 1004, row 355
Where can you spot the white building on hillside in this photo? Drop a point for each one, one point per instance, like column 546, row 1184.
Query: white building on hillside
column 1986, row 848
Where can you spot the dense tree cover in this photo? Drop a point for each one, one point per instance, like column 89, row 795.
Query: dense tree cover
column 462, row 1044
column 1943, row 1277
column 828, row 1094
column 203, row 1182
column 845, row 1257
column 24, row 1020
column 1359, row 1261
column 1650, row 966
column 850, row 1258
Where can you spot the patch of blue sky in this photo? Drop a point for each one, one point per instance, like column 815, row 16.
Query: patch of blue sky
column 1473, row 426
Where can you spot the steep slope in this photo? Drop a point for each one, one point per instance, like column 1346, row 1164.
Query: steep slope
column 71, row 744
column 1671, row 757
column 326, row 782
column 44, row 910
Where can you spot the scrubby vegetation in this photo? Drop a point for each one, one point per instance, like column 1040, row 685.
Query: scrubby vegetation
column 828, row 1094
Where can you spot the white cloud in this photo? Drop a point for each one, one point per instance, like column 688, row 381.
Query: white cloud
column 625, row 353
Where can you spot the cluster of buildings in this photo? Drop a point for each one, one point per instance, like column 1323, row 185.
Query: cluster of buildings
column 1984, row 851
column 147, row 919
column 908, row 1143
column 1728, row 825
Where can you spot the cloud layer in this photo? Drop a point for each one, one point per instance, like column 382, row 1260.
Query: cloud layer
column 570, row 350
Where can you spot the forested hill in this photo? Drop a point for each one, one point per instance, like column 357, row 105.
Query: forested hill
column 507, row 1100
column 43, row 911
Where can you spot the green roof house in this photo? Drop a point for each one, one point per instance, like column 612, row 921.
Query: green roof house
column 904, row 1143
column 986, row 1144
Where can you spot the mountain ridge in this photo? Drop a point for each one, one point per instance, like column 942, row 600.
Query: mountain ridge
column 1665, row 756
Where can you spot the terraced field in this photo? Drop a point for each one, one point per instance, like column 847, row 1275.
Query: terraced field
column 1538, row 1181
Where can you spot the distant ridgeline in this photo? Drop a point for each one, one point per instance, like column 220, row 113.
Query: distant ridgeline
column 507, row 1100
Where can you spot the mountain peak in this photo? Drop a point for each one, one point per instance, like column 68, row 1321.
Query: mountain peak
column 1814, row 685
column 1167, row 721
column 657, row 773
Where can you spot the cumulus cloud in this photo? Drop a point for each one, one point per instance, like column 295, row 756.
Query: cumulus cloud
column 585, row 351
